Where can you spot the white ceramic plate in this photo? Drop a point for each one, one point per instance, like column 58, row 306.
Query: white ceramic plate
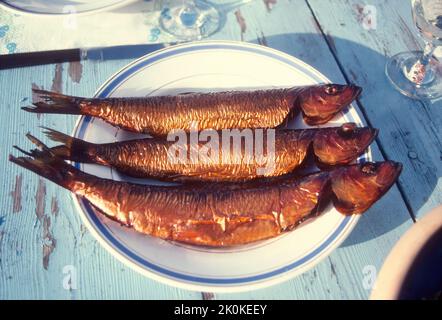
column 210, row 66
column 57, row 7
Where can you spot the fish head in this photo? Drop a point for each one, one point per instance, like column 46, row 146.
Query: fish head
column 320, row 103
column 355, row 188
column 341, row 145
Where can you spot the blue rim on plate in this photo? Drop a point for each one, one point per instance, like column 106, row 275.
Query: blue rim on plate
column 176, row 278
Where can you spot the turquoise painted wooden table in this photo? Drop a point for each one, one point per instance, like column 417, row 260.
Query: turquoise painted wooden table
column 42, row 237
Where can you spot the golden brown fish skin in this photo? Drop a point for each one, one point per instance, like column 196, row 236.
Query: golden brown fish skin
column 159, row 115
column 220, row 215
column 209, row 216
column 149, row 158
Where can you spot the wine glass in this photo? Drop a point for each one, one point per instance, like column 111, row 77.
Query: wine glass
column 190, row 19
column 417, row 74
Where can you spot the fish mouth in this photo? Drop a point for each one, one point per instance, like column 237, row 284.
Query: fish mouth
column 351, row 93
column 396, row 166
column 370, row 135
column 398, row 169
column 367, row 136
column 394, row 169
column 356, row 91
column 373, row 135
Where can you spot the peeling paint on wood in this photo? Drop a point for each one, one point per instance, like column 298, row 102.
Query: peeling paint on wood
column 58, row 77
column 208, row 295
column 332, row 268
column 412, row 155
column 269, row 4
column 359, row 12
column 40, row 199
column 262, row 40
column 54, row 207
column 49, row 242
column 241, row 22
column 75, row 71
column 2, row 234
column 363, row 16
column 16, row 194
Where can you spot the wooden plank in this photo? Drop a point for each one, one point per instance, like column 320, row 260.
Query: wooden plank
column 47, row 218
column 23, row 273
column 410, row 131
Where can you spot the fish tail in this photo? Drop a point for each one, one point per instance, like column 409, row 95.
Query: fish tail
column 46, row 164
column 71, row 148
column 52, row 102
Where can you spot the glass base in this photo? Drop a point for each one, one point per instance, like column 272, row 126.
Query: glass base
column 407, row 78
column 191, row 20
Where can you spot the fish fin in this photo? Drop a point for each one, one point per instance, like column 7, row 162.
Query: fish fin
column 52, row 102
column 71, row 148
column 23, row 151
column 46, row 164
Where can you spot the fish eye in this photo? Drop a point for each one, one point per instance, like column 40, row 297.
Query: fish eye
column 369, row 168
column 331, row 89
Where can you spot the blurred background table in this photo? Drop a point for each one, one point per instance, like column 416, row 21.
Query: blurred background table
column 347, row 40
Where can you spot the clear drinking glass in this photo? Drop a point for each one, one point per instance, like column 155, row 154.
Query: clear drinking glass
column 417, row 74
column 190, row 19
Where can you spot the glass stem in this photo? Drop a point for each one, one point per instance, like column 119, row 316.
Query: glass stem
column 420, row 73
column 427, row 54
